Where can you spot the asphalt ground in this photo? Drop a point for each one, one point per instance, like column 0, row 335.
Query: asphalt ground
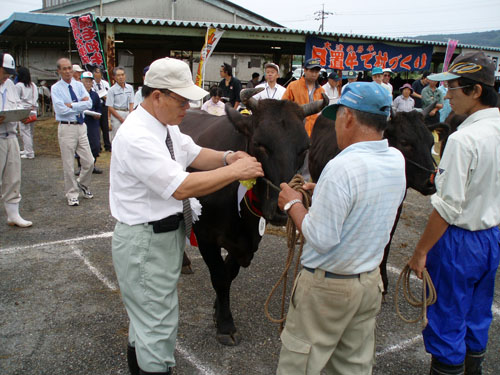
column 61, row 312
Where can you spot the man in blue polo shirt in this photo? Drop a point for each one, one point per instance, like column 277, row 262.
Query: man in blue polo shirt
column 331, row 319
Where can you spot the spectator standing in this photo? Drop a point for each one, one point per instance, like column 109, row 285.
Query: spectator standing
column 386, row 78
column 120, row 100
column 231, row 86
column 377, row 75
column 70, row 100
column 92, row 119
column 254, row 81
column 404, row 102
column 44, row 95
column 138, row 98
column 333, row 87
column 431, row 94
column 460, row 244
column 446, row 110
column 351, row 77
column 214, row 106
column 101, row 87
column 10, row 160
column 418, row 86
column 330, row 323
column 272, row 90
column 28, row 99
column 77, row 72
column 306, row 90
column 148, row 170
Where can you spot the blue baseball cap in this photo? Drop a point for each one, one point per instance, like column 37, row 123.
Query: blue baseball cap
column 362, row 96
column 312, row 63
column 377, row 70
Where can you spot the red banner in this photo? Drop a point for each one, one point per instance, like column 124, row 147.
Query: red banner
column 87, row 42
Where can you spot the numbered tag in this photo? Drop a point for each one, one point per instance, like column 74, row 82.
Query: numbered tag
column 262, row 226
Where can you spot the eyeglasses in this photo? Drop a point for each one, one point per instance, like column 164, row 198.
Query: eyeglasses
column 183, row 102
column 459, row 87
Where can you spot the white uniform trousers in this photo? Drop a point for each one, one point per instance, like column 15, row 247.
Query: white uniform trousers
column 10, row 170
column 27, row 131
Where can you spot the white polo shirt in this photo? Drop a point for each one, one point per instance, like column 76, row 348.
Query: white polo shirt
column 468, row 179
column 270, row 93
column 143, row 176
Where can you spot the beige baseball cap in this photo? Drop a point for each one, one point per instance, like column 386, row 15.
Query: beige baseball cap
column 174, row 75
column 77, row 68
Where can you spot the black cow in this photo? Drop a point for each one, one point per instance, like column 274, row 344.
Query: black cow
column 407, row 132
column 275, row 135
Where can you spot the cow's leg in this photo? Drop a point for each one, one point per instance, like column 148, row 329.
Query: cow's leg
column 383, row 265
column 221, row 282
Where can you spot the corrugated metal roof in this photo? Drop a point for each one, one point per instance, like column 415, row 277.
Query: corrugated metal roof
column 62, row 20
column 279, row 30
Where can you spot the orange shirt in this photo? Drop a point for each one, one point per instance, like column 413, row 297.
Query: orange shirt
column 297, row 92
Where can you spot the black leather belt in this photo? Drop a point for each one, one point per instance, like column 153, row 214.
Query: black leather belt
column 167, row 224
column 331, row 275
column 121, row 109
column 70, row 122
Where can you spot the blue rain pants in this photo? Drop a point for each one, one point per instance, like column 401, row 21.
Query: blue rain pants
column 462, row 266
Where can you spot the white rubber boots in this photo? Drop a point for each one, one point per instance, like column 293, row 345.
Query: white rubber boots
column 13, row 217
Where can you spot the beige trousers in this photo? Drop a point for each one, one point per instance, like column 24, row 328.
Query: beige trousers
column 10, row 170
column 115, row 123
column 73, row 139
column 330, row 325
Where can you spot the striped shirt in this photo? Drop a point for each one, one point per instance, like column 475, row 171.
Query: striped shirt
column 353, row 209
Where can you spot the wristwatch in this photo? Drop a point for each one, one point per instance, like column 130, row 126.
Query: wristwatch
column 290, row 204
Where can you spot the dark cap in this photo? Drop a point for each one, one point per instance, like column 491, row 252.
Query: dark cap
column 312, row 64
column 351, row 74
column 334, row 76
column 472, row 65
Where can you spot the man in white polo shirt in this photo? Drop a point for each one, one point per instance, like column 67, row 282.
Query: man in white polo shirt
column 149, row 197
column 272, row 90
column 330, row 324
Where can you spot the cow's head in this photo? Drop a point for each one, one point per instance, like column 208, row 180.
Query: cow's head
column 276, row 136
column 407, row 132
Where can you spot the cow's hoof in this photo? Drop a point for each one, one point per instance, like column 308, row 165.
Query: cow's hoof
column 229, row 339
column 187, row 270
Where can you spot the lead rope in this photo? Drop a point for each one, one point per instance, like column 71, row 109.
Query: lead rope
column 291, row 231
column 423, row 303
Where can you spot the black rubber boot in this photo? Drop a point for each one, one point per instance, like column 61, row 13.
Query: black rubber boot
column 474, row 363
column 439, row 368
column 133, row 366
column 169, row 372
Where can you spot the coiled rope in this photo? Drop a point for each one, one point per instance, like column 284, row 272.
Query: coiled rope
column 429, row 295
column 296, row 183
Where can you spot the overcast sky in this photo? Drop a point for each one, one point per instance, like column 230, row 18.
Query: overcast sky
column 369, row 17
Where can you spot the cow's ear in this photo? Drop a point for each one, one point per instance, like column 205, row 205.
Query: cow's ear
column 241, row 123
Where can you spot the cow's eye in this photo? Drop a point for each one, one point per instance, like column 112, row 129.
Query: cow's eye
column 405, row 144
column 260, row 148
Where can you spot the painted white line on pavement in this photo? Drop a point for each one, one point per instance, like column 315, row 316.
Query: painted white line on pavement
column 401, row 346
column 60, row 242
column 94, row 270
column 194, row 361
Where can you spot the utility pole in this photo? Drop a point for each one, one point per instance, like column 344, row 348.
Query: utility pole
column 321, row 15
